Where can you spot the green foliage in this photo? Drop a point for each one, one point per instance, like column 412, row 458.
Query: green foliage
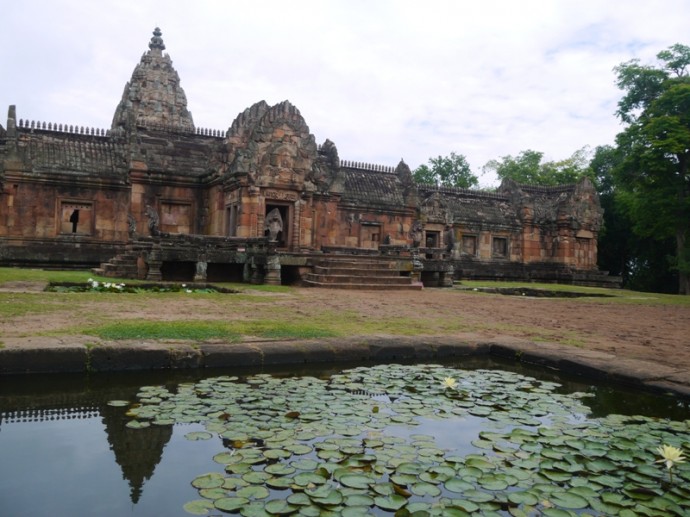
column 528, row 168
column 653, row 178
column 448, row 171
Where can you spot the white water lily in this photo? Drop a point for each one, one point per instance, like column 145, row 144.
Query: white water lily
column 670, row 455
column 449, row 382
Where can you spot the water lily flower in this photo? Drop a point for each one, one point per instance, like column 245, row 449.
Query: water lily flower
column 449, row 382
column 670, row 455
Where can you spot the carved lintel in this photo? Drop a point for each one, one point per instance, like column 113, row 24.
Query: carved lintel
column 281, row 195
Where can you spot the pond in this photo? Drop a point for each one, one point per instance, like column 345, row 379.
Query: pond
column 469, row 439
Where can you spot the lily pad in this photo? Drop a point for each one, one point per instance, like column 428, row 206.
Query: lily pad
column 198, row 435
column 210, row 480
column 230, row 504
column 198, row 507
column 356, row 481
column 279, row 507
column 391, row 503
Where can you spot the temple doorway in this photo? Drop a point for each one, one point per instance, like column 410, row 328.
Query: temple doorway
column 281, row 236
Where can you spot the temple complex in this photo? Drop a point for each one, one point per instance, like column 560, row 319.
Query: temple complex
column 156, row 197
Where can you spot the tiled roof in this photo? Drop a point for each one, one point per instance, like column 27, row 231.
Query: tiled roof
column 372, row 188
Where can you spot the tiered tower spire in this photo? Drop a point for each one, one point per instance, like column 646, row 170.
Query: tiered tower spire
column 153, row 98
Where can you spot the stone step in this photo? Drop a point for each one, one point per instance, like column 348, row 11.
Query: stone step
column 355, row 271
column 384, row 263
column 417, row 286
column 358, row 272
column 364, row 279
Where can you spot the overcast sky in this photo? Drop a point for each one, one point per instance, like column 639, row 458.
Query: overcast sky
column 382, row 79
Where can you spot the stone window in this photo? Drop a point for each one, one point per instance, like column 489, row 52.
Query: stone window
column 499, row 247
column 76, row 217
column 433, row 239
column 176, row 217
column 469, row 245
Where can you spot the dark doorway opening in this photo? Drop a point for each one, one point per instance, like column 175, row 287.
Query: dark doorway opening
column 178, row 271
column 217, row 272
column 289, row 275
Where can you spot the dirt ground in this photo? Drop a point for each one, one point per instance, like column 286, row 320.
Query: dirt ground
column 658, row 333
column 647, row 330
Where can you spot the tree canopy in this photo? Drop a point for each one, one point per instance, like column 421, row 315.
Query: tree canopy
column 448, row 171
column 654, row 176
column 528, row 168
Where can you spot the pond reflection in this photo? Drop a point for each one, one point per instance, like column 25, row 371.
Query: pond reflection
column 67, row 452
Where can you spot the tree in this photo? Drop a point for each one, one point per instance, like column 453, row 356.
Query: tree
column 654, row 175
column 527, row 168
column 448, row 171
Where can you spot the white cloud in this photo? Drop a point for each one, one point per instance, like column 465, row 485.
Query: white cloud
column 383, row 79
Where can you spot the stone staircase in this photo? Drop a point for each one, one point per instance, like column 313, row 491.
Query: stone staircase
column 359, row 272
column 123, row 265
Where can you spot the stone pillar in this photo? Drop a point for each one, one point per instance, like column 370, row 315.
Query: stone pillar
column 272, row 270
column 200, row 275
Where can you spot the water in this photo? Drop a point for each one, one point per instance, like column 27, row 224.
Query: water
column 65, row 452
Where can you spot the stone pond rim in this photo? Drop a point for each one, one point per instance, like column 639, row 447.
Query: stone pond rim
column 59, row 356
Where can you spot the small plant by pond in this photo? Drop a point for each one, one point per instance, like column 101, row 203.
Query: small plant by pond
column 92, row 285
column 396, row 439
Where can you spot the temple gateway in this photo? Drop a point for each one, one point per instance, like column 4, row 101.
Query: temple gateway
column 156, row 197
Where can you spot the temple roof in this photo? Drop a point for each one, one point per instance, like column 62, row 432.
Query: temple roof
column 372, row 188
column 153, row 98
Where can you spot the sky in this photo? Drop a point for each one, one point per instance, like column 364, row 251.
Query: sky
column 382, row 79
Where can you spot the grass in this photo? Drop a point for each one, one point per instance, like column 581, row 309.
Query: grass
column 206, row 330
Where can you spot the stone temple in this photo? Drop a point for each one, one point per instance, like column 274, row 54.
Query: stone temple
column 156, row 197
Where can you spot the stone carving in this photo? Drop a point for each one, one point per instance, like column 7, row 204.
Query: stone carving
column 449, row 238
column 154, row 221
column 273, row 224
column 417, row 234
column 201, row 267
column 131, row 225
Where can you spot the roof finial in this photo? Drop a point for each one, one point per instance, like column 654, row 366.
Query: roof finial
column 157, row 41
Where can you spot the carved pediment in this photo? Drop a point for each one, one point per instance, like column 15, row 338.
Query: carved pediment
column 435, row 208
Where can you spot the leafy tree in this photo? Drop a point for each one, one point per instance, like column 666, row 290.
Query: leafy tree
column 448, row 171
column 640, row 261
column 654, row 175
column 614, row 245
column 528, row 168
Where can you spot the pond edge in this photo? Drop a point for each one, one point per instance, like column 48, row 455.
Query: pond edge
column 65, row 357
